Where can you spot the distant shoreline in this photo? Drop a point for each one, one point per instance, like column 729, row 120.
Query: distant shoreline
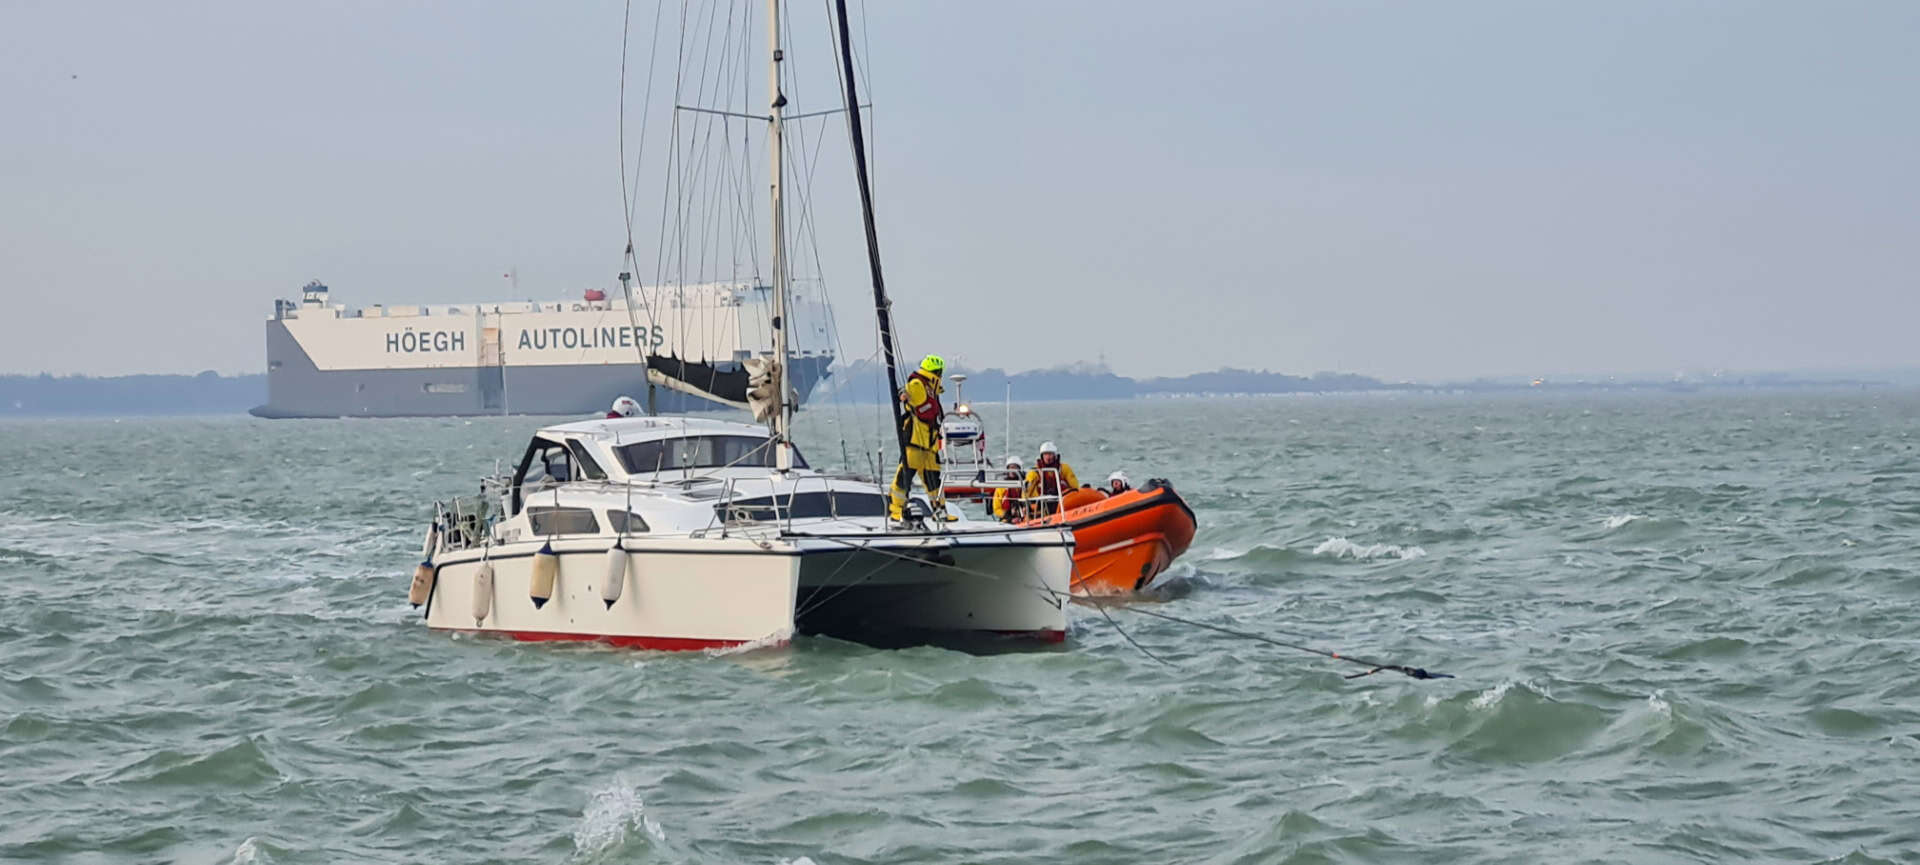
column 208, row 393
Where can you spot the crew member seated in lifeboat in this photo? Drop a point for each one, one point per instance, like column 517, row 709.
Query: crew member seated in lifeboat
column 1050, row 479
column 1007, row 504
column 1118, row 483
column 922, row 426
column 625, row 406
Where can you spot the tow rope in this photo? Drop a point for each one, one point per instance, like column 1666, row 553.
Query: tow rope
column 1373, row 666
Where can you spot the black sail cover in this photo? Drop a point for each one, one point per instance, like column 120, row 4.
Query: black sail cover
column 727, row 384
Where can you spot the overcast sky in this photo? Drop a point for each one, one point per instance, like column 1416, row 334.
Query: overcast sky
column 1410, row 190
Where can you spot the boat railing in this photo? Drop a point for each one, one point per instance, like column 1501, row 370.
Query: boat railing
column 1042, row 504
column 465, row 522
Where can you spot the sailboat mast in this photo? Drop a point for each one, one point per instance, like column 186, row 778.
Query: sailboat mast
column 882, row 308
column 783, row 416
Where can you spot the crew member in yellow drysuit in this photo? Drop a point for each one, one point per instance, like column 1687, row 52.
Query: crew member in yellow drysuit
column 1006, row 500
column 1049, row 480
column 922, row 426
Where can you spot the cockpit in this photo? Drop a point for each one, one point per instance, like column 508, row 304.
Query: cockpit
column 551, row 460
column 549, row 463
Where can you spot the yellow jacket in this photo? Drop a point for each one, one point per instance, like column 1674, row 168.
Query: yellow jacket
column 1006, row 502
column 922, row 398
column 1044, row 482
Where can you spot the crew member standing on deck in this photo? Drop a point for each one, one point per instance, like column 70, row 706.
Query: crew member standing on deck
column 922, row 426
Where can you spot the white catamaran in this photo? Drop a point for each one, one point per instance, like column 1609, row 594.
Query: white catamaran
column 683, row 533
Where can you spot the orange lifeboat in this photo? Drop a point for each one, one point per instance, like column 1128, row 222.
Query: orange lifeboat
column 1122, row 542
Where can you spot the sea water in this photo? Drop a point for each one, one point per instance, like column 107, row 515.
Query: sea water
column 1684, row 629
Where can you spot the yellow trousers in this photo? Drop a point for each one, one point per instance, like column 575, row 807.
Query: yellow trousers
column 926, row 464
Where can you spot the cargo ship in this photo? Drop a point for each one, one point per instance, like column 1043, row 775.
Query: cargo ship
column 326, row 359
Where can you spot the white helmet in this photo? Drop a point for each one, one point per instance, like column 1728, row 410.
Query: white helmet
column 626, row 406
column 1048, row 448
column 1013, row 462
column 1121, row 477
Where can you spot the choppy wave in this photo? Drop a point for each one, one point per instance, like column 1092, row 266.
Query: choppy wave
column 613, row 814
column 1665, row 613
column 1618, row 520
column 1341, row 548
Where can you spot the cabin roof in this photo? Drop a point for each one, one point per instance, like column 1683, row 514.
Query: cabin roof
column 645, row 428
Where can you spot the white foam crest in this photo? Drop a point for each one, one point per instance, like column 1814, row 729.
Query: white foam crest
column 1618, row 520
column 800, row 861
column 1222, row 553
column 777, row 638
column 1491, row 697
column 250, row 853
column 1341, row 548
column 1659, row 706
column 612, row 814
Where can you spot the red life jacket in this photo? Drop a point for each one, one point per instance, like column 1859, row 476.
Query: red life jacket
column 1050, row 480
column 927, row 412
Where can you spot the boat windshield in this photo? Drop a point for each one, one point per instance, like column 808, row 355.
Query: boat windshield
column 701, row 452
column 821, row 503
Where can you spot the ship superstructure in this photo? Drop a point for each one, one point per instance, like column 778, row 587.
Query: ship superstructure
column 326, row 359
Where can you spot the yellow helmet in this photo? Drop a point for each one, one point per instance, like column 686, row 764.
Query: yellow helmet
column 934, row 364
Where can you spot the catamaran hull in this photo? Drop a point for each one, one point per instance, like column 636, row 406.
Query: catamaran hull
column 925, row 589
column 725, row 593
column 717, row 593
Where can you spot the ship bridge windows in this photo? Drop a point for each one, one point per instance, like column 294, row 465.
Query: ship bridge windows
column 701, row 452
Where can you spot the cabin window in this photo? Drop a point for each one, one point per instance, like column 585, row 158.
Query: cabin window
column 551, row 464
column 701, row 452
column 821, row 503
column 584, row 460
column 622, row 522
column 562, row 521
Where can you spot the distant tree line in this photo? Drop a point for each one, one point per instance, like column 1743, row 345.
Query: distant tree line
column 865, row 381
column 206, row 393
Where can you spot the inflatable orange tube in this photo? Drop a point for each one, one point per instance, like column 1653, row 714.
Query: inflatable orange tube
column 1122, row 542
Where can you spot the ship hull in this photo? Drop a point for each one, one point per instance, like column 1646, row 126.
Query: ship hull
column 298, row 388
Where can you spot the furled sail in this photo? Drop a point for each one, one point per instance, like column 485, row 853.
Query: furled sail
column 705, row 380
column 748, row 386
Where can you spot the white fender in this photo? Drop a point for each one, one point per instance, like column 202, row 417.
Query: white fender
column 616, row 575
column 422, row 584
column 482, row 592
column 546, row 566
